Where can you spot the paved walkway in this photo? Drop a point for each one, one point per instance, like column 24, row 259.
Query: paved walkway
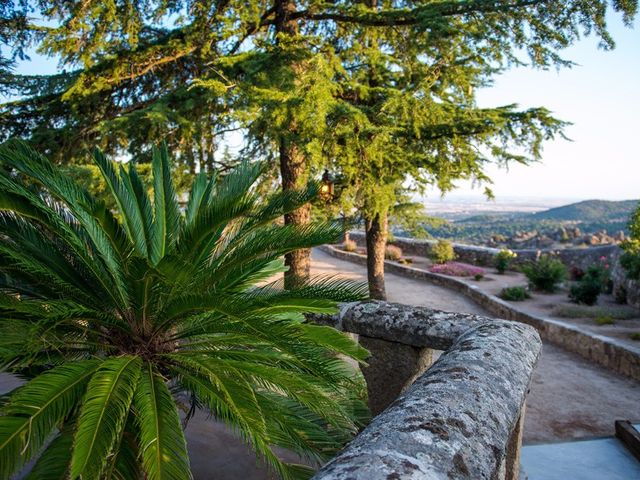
column 570, row 398
column 598, row 459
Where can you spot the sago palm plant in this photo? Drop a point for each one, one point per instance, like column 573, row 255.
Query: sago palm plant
column 118, row 320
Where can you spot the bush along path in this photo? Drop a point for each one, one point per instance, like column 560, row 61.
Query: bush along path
column 117, row 322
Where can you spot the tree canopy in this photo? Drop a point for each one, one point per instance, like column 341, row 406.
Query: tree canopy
column 384, row 91
column 137, row 71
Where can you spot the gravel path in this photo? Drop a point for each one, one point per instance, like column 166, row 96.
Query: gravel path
column 569, row 399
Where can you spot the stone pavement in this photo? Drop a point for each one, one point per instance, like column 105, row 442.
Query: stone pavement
column 597, row 459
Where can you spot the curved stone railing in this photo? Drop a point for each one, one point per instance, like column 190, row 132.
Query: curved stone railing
column 461, row 417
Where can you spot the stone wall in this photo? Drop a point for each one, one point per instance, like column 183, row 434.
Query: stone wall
column 483, row 256
column 462, row 417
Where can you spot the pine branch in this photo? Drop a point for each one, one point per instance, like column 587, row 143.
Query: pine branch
column 419, row 15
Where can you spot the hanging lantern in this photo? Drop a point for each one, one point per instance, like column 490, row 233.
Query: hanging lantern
column 326, row 186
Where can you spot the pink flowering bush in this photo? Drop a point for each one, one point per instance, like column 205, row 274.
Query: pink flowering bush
column 457, row 269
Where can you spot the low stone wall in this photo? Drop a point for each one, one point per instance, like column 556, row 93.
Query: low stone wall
column 483, row 256
column 626, row 289
column 605, row 351
column 461, row 418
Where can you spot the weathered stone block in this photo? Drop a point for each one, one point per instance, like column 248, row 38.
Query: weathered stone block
column 391, row 368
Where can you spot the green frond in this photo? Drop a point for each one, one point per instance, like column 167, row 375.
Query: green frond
column 162, row 443
column 235, row 403
column 53, row 464
column 335, row 341
column 245, row 257
column 35, row 409
column 137, row 193
column 167, row 214
column 68, row 208
column 229, row 199
column 199, row 196
column 103, row 414
column 125, row 463
column 125, row 200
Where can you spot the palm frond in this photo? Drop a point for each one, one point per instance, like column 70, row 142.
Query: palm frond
column 199, row 196
column 126, row 202
column 35, row 409
column 103, row 415
column 125, row 462
column 163, row 446
column 76, row 206
column 167, row 214
column 102, row 311
column 53, row 464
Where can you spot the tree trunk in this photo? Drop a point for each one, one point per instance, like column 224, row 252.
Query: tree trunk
column 376, row 236
column 293, row 168
column 293, row 172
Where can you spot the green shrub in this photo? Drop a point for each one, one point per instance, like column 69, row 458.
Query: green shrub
column 604, row 320
column 594, row 281
column 393, row 253
column 115, row 322
column 585, row 291
column 503, row 259
column 635, row 336
column 514, row 294
column 630, row 259
column 349, row 245
column 478, row 276
column 442, row 252
column 545, row 274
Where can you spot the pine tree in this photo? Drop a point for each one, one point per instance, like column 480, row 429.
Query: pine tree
column 409, row 115
column 15, row 34
column 287, row 71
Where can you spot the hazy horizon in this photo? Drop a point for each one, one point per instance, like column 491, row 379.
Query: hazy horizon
column 463, row 204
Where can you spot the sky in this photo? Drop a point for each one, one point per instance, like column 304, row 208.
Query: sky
column 600, row 96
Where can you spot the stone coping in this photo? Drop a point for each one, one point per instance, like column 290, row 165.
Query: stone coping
column 454, row 421
column 407, row 324
column 605, row 351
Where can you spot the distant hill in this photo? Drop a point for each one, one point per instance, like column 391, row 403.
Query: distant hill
column 589, row 211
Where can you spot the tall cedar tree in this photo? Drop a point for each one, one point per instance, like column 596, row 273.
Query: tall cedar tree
column 386, row 74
